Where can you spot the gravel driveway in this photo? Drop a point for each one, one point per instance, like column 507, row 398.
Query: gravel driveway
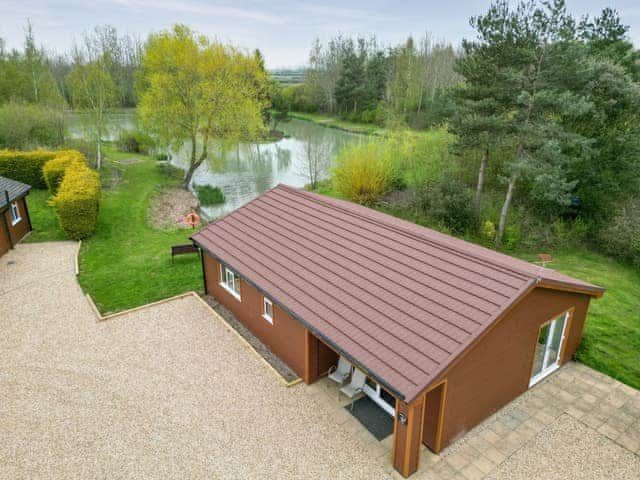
column 164, row 392
column 169, row 392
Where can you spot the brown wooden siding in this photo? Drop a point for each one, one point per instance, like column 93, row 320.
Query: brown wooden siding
column 498, row 368
column 286, row 337
column 17, row 231
column 5, row 245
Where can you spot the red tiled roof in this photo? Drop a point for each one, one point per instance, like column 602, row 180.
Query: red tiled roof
column 400, row 300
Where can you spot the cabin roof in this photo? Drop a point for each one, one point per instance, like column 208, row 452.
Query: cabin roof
column 13, row 189
column 400, row 300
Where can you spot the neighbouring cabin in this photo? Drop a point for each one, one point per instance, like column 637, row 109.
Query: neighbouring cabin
column 441, row 332
column 15, row 223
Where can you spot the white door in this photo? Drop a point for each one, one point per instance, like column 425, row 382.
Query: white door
column 384, row 399
column 548, row 348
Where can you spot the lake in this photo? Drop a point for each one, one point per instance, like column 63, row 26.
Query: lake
column 244, row 171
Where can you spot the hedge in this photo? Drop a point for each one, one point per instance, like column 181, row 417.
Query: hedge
column 77, row 201
column 54, row 169
column 25, row 167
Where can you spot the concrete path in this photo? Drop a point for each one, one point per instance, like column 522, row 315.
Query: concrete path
column 169, row 392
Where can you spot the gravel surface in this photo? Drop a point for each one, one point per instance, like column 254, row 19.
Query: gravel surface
column 568, row 449
column 271, row 358
column 165, row 392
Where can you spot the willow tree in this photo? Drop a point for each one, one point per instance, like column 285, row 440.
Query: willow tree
column 192, row 89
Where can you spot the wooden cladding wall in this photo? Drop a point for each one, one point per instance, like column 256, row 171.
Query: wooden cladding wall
column 285, row 337
column 498, row 368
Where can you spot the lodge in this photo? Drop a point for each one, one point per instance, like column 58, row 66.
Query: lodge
column 14, row 213
column 439, row 332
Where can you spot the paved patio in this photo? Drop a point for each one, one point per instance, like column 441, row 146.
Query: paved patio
column 169, row 392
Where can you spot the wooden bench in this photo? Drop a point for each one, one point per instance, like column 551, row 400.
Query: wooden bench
column 183, row 250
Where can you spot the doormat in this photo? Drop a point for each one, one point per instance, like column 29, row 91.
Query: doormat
column 372, row 417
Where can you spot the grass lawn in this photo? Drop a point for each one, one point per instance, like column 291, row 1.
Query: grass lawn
column 127, row 263
column 333, row 121
column 611, row 342
column 43, row 218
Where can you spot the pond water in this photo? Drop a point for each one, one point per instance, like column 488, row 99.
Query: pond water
column 124, row 120
column 244, row 171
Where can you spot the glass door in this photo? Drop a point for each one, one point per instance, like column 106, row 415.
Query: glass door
column 379, row 395
column 548, row 348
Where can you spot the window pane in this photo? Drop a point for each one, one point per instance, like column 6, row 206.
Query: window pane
column 268, row 308
column 236, row 283
column 555, row 340
column 540, row 349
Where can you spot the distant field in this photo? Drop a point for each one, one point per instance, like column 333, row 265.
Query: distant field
column 288, row 77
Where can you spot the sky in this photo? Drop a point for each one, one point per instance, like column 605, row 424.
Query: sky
column 283, row 29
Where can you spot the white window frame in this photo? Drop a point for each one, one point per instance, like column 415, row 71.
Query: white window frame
column 545, row 372
column 267, row 301
column 15, row 213
column 225, row 274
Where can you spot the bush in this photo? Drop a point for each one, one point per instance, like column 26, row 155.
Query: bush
column 448, row 201
column 134, row 142
column 25, row 167
column 488, row 232
column 27, row 127
column 621, row 236
column 87, row 148
column 209, row 195
column 77, row 202
column 53, row 171
column 364, row 173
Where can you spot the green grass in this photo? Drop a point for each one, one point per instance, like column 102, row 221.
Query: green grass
column 43, row 218
column 333, row 121
column 209, row 195
column 127, row 263
column 611, row 342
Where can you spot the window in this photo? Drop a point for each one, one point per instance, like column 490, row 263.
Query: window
column 15, row 213
column 268, row 310
column 230, row 281
column 548, row 348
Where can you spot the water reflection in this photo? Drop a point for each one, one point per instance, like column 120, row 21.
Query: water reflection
column 244, row 171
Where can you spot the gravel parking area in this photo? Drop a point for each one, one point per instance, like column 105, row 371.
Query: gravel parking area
column 164, row 392
column 169, row 392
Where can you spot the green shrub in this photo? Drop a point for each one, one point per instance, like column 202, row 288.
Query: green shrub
column 87, row 148
column 448, row 201
column 209, row 195
column 621, row 236
column 170, row 171
column 134, row 142
column 53, row 171
column 364, row 173
column 25, row 167
column 27, row 127
column 488, row 232
column 77, row 202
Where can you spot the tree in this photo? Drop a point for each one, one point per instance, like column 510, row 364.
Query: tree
column 280, row 103
column 192, row 89
column 526, row 55
column 317, row 155
column 94, row 92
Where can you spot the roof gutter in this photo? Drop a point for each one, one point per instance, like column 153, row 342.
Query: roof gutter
column 307, row 325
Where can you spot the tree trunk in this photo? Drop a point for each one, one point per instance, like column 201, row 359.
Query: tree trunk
column 505, row 208
column 193, row 164
column 99, row 154
column 187, row 177
column 483, row 167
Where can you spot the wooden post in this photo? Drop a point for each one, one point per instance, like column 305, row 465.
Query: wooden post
column 407, row 439
column 311, row 358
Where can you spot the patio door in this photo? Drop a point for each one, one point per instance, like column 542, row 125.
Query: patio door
column 379, row 395
column 548, row 348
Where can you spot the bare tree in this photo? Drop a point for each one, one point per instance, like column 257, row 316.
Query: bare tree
column 317, row 158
